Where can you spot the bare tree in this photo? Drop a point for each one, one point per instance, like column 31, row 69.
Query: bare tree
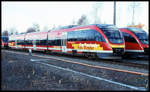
column 36, row 26
column 29, row 30
column 83, row 20
column 5, row 33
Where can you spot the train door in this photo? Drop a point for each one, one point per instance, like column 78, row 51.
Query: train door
column 64, row 41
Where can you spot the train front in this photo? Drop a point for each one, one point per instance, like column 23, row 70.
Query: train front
column 142, row 40
column 114, row 40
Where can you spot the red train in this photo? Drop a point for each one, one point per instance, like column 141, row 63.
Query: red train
column 136, row 41
column 96, row 40
column 4, row 41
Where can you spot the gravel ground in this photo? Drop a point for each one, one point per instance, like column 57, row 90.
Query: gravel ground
column 23, row 75
column 19, row 73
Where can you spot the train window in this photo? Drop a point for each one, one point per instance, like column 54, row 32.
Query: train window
column 11, row 40
column 37, row 42
column 114, row 37
column 41, row 42
column 20, row 42
column 72, row 36
column 128, row 38
column 49, row 42
column 140, row 34
column 25, row 42
column 85, row 35
column 56, row 42
column 90, row 35
column 143, row 37
column 28, row 42
column 44, row 42
column 99, row 37
column 112, row 33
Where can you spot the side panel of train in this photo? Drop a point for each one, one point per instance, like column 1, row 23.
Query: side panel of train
column 36, row 41
column 89, row 41
column 77, row 41
column 16, row 41
column 134, row 45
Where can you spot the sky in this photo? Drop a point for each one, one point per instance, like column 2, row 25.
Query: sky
column 22, row 15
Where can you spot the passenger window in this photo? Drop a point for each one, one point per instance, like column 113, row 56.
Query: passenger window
column 99, row 37
column 56, row 42
column 20, row 42
column 29, row 42
column 85, row 35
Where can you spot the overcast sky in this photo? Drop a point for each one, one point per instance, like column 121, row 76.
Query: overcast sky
column 22, row 15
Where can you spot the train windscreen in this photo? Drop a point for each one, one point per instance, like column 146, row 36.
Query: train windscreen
column 113, row 34
column 140, row 34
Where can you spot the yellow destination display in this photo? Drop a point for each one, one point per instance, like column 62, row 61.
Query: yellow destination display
column 87, row 46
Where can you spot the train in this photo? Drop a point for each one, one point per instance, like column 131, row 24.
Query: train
column 103, row 41
column 136, row 42
column 4, row 41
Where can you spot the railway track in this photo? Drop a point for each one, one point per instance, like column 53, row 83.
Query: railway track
column 125, row 62
column 96, row 71
column 131, row 62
